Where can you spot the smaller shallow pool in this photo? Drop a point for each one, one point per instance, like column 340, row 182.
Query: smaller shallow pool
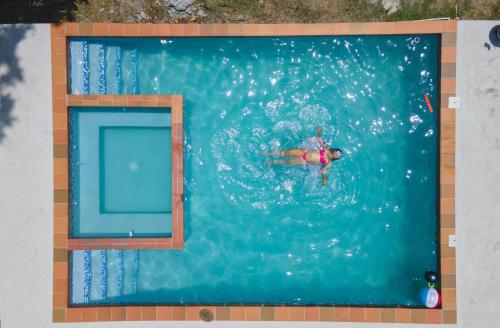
column 121, row 164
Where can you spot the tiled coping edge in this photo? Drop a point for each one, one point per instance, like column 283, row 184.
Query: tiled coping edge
column 63, row 313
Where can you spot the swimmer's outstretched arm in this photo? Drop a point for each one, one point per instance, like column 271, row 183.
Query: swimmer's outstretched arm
column 323, row 173
column 321, row 142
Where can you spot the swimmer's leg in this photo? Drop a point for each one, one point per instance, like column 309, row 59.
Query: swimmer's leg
column 289, row 161
column 291, row 152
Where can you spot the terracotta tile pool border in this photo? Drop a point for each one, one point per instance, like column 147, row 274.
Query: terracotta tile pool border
column 62, row 312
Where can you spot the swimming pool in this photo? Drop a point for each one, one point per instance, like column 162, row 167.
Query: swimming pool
column 261, row 234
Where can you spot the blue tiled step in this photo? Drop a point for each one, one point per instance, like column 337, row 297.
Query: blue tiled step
column 100, row 274
column 103, row 69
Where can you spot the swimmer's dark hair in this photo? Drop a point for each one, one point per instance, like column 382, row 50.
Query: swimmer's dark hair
column 335, row 150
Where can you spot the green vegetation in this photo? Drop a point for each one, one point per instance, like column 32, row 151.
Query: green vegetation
column 423, row 9
column 293, row 11
column 361, row 11
column 114, row 11
column 244, row 11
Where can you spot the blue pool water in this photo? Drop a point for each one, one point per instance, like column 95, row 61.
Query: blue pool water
column 268, row 234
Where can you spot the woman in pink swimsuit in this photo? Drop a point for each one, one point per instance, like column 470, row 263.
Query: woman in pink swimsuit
column 324, row 156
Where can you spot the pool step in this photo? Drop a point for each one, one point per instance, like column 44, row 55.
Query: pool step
column 97, row 68
column 131, row 267
column 79, row 66
column 113, row 63
column 80, row 277
column 97, row 76
column 103, row 274
column 129, row 74
column 115, row 273
column 98, row 272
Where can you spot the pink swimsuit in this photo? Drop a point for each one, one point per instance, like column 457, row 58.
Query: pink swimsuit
column 322, row 158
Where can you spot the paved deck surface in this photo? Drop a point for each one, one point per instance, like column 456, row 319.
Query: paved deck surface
column 478, row 177
column 26, row 186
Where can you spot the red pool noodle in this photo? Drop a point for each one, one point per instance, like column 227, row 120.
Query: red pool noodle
column 426, row 97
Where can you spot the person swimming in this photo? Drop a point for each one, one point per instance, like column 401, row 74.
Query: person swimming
column 324, row 156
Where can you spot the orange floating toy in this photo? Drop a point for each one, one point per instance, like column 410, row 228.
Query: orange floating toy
column 426, row 97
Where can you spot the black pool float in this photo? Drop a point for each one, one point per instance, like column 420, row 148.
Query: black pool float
column 431, row 277
column 495, row 36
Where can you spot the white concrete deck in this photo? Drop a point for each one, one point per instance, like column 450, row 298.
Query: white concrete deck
column 478, row 177
column 26, row 188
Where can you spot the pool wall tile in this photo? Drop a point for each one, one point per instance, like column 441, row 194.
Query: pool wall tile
column 101, row 29
column 448, row 54
column 60, row 300
column 104, row 314
column 60, row 226
column 60, row 151
column 59, row 106
column 61, row 196
column 59, row 315
column 312, row 313
column 448, row 70
column 450, row 316
column 116, row 29
column 267, row 313
column 162, row 29
column 388, row 315
column 222, row 313
column 177, row 30
column 297, row 313
column 118, row 314
column 281, row 313
column 163, row 313
column 232, row 29
column 434, row 316
column 403, row 316
column 178, row 313
column 449, row 280
column 342, row 314
column 357, row 315
column 132, row 30
column 418, row 316
column 237, row 313
column 193, row 313
column 89, row 314
column 147, row 29
column 449, row 298
column 373, row 315
column 62, row 243
column 447, row 252
column 86, row 29
column 205, row 29
column 449, row 25
column 192, row 30
column 252, row 313
column 71, row 29
column 134, row 313
column 60, row 255
column 448, row 84
column 89, row 102
column 74, row 315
